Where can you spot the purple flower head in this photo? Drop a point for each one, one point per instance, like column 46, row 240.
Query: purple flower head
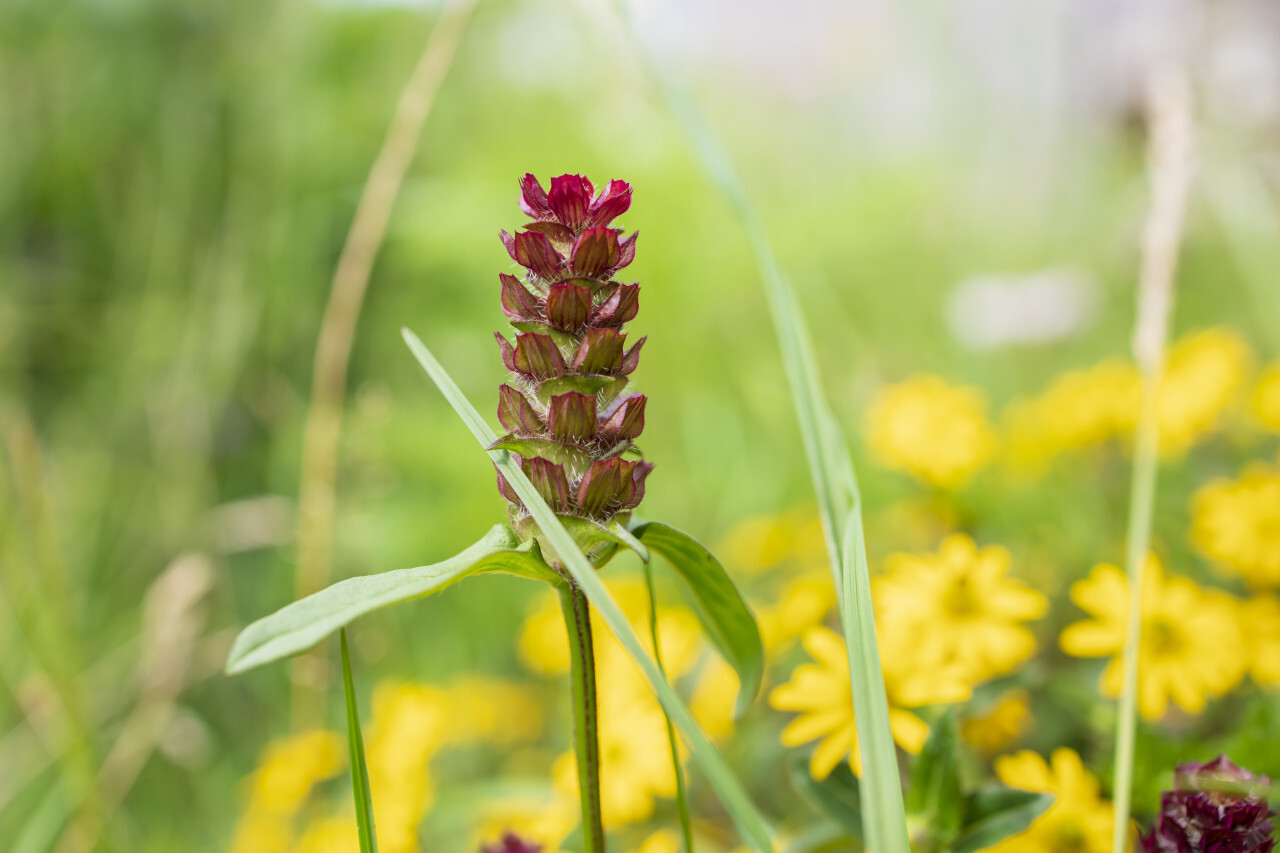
column 569, row 418
column 1216, row 807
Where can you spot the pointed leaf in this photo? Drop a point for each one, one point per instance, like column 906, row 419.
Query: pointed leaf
column 568, row 306
column 632, row 359
column 574, row 460
column 598, row 491
column 533, row 198
column 572, row 417
column 625, row 419
column 508, row 351
column 533, row 250
column 994, row 813
column 613, row 201
column 359, row 770
column 298, row 626
column 638, row 477
column 621, row 306
column 549, row 479
column 557, row 232
column 934, row 797
column 600, row 352
column 583, row 383
column 626, row 252
column 723, row 612
column 595, row 252
column 836, row 796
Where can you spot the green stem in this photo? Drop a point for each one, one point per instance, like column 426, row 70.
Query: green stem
column 586, row 742
column 682, row 802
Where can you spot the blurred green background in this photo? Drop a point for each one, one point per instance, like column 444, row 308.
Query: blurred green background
column 176, row 181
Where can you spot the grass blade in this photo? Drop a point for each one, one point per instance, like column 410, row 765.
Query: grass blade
column 833, row 476
column 750, row 822
column 359, row 772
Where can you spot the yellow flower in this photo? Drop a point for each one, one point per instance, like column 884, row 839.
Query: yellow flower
column 804, row 602
column 1081, row 408
column 1203, row 374
column 330, row 835
column 958, row 607
column 1192, row 646
column 1266, row 397
column 1079, row 821
column 492, row 710
column 932, row 430
column 290, row 768
column 1002, row 725
column 1236, row 523
column 1260, row 617
column 713, row 698
column 410, row 725
column 262, row 833
column 543, row 820
column 821, row 692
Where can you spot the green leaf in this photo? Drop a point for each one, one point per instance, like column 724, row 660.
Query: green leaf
column 300, row 625
column 723, row 612
column 833, row 476
column 583, row 383
column 359, row 772
column 733, row 795
column 935, row 798
column 993, row 813
column 836, row 796
column 575, row 461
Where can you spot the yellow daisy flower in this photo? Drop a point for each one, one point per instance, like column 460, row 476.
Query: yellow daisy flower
column 330, row 835
column 1081, row 408
column 1006, row 721
column 804, row 602
column 291, row 767
column 713, row 698
column 1260, row 617
column 1079, row 821
column 490, row 710
column 1236, row 523
column 958, row 607
column 1192, row 645
column 410, row 725
column 1266, row 397
column 662, row 841
column 821, row 693
column 932, row 430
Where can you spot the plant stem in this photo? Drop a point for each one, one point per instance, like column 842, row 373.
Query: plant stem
column 682, row 803
column 586, row 742
column 1170, row 164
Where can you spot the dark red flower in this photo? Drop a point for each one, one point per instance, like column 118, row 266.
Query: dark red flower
column 1215, row 807
column 511, row 843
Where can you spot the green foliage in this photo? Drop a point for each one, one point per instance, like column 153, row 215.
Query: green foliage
column 718, row 604
column 993, row 813
column 934, row 799
column 298, row 626
column 836, row 796
column 359, row 772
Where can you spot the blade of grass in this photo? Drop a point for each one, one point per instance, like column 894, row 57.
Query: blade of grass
column 833, row 476
column 750, row 822
column 1170, row 165
column 359, row 772
column 682, row 804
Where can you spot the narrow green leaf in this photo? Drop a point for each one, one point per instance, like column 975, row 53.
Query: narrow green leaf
column 833, row 476
column 750, row 822
column 935, row 798
column 836, row 796
column 359, row 772
column 298, row 626
column 722, row 610
column 682, row 800
column 994, row 813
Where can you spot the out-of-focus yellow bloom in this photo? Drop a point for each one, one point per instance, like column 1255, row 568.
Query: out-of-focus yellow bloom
column 1081, row 408
column 804, row 602
column 1006, row 721
column 820, row 692
column 935, row 431
column 287, row 772
column 959, row 608
column 490, row 710
column 1192, row 645
column 410, row 725
column 714, row 697
column 291, row 768
column 1260, row 618
column 543, row 645
column 1203, row 375
column 766, row 542
column 662, row 841
column 543, row 820
column 1266, row 397
column 330, row 835
column 1078, row 821
column 1236, row 523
